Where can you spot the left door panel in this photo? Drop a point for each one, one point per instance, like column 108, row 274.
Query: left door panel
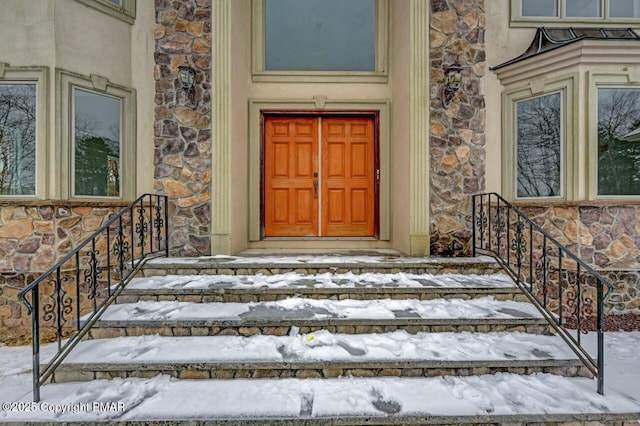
column 290, row 171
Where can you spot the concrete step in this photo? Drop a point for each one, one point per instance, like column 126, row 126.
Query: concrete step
column 306, row 264
column 367, row 286
column 501, row 398
column 320, row 354
column 337, row 316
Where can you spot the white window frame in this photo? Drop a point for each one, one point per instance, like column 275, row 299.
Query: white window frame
column 39, row 77
column 629, row 79
column 126, row 12
column 517, row 20
column 379, row 75
column 566, row 87
column 66, row 83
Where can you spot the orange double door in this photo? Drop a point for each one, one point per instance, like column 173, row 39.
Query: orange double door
column 320, row 177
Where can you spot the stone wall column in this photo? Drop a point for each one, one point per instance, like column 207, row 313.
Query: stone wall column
column 182, row 134
column 457, row 137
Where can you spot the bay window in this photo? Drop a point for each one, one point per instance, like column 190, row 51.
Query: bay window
column 597, row 12
column 97, row 137
column 23, row 141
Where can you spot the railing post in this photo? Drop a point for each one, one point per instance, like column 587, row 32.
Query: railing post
column 489, row 221
column 473, row 221
column 166, row 226
column 600, row 339
column 560, row 281
column 151, row 223
column 35, row 321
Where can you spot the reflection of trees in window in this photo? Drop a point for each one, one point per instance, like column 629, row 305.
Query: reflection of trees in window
column 17, row 139
column 538, row 146
column 618, row 141
column 97, row 144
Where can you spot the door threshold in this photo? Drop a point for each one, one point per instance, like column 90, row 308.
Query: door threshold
column 319, row 251
column 320, row 239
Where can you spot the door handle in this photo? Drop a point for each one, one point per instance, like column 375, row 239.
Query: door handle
column 315, row 189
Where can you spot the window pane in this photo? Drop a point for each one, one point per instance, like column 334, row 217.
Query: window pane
column 583, row 9
column 320, row 35
column 538, row 146
column 624, row 8
column 97, row 144
column 116, row 2
column 17, row 139
column 618, row 141
column 539, row 8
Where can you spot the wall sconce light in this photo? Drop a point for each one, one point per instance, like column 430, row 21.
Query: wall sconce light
column 452, row 83
column 187, row 77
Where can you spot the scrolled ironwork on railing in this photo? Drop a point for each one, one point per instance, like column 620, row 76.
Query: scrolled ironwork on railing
column 570, row 294
column 67, row 299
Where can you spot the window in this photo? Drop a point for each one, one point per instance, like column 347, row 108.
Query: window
column 17, row 138
column 320, row 40
column 539, row 12
column 320, row 35
column 98, row 133
column 125, row 10
column 618, row 141
column 538, row 151
column 537, row 139
column 22, row 131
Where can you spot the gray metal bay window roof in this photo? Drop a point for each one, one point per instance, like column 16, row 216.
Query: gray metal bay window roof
column 547, row 39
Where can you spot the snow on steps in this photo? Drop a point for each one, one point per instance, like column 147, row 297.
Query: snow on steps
column 172, row 318
column 325, row 325
column 319, row 354
column 501, row 398
column 254, row 288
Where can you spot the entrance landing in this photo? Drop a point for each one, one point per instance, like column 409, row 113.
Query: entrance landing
column 266, row 264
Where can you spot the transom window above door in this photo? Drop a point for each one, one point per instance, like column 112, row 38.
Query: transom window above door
column 320, row 40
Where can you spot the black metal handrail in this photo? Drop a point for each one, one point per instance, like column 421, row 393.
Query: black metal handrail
column 76, row 290
column 562, row 285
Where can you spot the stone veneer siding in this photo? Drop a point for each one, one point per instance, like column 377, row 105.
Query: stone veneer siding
column 457, row 137
column 606, row 236
column 182, row 135
column 35, row 236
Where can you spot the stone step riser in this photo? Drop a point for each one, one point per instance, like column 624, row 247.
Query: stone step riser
column 247, row 296
column 74, row 374
column 103, row 331
column 162, row 270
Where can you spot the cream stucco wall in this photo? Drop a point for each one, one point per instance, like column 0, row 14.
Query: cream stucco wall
column 142, row 66
column 399, row 55
column 502, row 44
column 240, row 86
column 244, row 172
column 66, row 34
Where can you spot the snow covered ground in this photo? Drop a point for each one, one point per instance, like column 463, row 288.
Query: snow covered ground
column 163, row 397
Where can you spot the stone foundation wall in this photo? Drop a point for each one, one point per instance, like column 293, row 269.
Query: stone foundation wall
column 182, row 134
column 607, row 237
column 457, row 137
column 33, row 238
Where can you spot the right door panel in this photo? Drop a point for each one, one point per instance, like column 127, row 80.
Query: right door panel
column 348, row 177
